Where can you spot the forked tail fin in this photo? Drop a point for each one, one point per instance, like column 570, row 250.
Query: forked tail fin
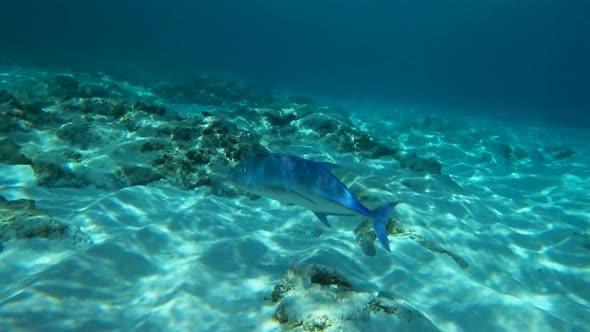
column 381, row 216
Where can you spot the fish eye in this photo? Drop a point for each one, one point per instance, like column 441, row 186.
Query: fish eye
column 243, row 170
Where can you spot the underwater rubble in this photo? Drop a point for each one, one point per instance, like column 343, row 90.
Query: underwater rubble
column 212, row 90
column 313, row 297
column 20, row 219
column 131, row 136
column 365, row 238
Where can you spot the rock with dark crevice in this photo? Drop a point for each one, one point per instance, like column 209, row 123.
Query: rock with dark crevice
column 559, row 152
column 236, row 143
column 112, row 108
column 64, row 87
column 198, row 156
column 174, row 167
column 135, row 175
column 195, row 167
column 9, row 121
column 519, row 153
column 339, row 131
column 10, row 153
column 365, row 234
column 325, row 276
column 156, row 109
column 152, row 145
column 24, row 115
column 6, row 96
column 219, row 127
column 50, row 174
column 279, row 118
column 187, row 134
column 321, row 124
column 312, row 297
column 67, row 167
column 79, row 133
column 20, row 219
column 434, row 183
column 402, row 311
column 509, row 152
column 420, row 164
column 360, row 142
column 437, row 249
column 365, row 237
column 316, row 297
column 10, row 104
column 72, row 156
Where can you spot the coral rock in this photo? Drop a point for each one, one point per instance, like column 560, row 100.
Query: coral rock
column 20, row 219
column 420, row 164
column 10, row 153
column 314, row 297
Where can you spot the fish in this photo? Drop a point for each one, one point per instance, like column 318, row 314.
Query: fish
column 298, row 181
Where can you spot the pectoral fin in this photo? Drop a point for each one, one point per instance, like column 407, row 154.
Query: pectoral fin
column 323, row 218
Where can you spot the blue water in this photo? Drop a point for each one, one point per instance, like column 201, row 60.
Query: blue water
column 120, row 121
column 503, row 55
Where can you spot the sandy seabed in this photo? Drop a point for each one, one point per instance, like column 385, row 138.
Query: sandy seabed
column 499, row 240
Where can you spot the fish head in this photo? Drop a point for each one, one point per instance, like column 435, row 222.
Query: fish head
column 248, row 174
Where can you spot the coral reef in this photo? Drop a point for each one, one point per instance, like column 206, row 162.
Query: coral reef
column 211, row 90
column 312, row 297
column 109, row 135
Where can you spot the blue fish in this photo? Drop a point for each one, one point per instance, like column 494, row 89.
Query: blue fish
column 298, row 181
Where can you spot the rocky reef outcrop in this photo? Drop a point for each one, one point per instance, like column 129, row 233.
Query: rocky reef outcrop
column 312, row 297
column 103, row 133
column 20, row 219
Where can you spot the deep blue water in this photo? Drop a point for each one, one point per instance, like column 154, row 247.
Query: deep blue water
column 499, row 55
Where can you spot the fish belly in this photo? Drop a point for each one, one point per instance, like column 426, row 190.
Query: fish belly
column 313, row 203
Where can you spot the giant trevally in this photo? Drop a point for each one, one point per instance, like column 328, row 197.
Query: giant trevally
column 298, row 181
